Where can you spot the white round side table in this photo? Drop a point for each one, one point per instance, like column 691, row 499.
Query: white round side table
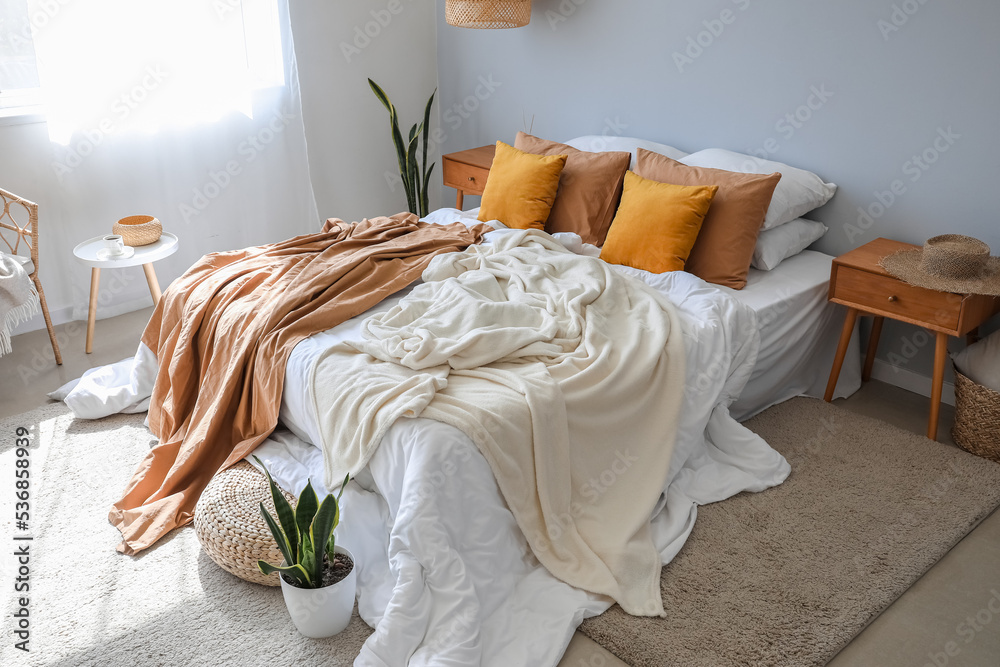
column 87, row 253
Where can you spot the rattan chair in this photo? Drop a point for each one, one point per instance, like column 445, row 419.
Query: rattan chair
column 26, row 233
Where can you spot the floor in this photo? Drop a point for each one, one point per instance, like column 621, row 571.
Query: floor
column 951, row 616
column 30, row 371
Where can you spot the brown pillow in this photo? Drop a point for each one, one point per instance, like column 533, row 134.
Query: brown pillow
column 589, row 188
column 724, row 248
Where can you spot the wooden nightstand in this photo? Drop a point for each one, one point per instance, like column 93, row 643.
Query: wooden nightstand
column 467, row 171
column 858, row 282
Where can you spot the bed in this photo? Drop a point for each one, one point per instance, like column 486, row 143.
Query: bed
column 505, row 608
column 445, row 573
column 799, row 330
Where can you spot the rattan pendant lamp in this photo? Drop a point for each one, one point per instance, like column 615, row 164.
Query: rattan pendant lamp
column 488, row 13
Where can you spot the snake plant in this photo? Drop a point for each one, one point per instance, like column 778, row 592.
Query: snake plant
column 304, row 534
column 416, row 177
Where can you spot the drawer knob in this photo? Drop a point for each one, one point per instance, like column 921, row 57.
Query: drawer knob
column 893, row 299
column 472, row 178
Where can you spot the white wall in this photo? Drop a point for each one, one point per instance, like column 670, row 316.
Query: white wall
column 350, row 154
column 339, row 46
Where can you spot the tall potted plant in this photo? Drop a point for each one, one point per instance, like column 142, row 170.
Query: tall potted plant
column 318, row 577
column 416, row 176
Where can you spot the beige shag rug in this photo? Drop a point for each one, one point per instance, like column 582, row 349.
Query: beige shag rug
column 784, row 577
column 89, row 605
column 789, row 576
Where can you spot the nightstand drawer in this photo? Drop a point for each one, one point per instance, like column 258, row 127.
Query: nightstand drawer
column 887, row 296
column 465, row 177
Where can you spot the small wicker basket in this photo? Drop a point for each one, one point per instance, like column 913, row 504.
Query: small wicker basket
column 977, row 418
column 139, row 230
column 488, row 13
column 229, row 525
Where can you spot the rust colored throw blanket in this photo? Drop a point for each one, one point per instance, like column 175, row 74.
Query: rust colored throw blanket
column 222, row 334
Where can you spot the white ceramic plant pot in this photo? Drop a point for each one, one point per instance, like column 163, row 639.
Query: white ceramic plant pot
column 322, row 612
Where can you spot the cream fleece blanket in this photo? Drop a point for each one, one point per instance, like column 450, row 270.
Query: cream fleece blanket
column 566, row 375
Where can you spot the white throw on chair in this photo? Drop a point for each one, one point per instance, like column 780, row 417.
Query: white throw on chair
column 26, row 234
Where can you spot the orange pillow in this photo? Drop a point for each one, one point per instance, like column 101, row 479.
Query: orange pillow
column 521, row 188
column 656, row 224
column 589, row 188
column 725, row 245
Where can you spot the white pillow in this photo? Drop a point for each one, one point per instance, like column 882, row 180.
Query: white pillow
column 980, row 362
column 596, row 143
column 778, row 244
column 798, row 192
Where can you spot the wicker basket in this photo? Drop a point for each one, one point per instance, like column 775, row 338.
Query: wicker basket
column 229, row 525
column 977, row 418
column 138, row 230
column 488, row 13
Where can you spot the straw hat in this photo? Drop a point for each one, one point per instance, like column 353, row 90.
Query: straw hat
column 948, row 263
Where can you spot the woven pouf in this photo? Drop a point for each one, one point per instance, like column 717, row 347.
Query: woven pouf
column 230, row 527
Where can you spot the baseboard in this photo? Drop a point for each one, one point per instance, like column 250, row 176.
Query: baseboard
column 906, row 379
column 79, row 314
column 58, row 315
column 882, row 370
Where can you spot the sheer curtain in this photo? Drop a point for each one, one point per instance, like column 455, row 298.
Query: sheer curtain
column 188, row 110
column 145, row 65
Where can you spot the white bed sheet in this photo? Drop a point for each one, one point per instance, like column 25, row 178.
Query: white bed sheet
column 799, row 332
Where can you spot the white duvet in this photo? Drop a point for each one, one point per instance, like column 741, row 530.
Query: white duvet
column 558, row 368
column 445, row 575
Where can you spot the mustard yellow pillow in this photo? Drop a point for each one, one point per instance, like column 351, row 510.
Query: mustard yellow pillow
column 521, row 188
column 656, row 224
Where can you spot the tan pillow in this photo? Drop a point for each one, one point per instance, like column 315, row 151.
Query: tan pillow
column 589, row 188
column 724, row 248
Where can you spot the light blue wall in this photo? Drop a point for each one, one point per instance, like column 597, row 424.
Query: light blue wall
column 896, row 80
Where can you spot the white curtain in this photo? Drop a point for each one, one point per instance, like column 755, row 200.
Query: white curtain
column 188, row 110
column 117, row 66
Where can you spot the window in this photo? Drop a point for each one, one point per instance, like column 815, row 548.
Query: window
column 162, row 61
column 19, row 88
